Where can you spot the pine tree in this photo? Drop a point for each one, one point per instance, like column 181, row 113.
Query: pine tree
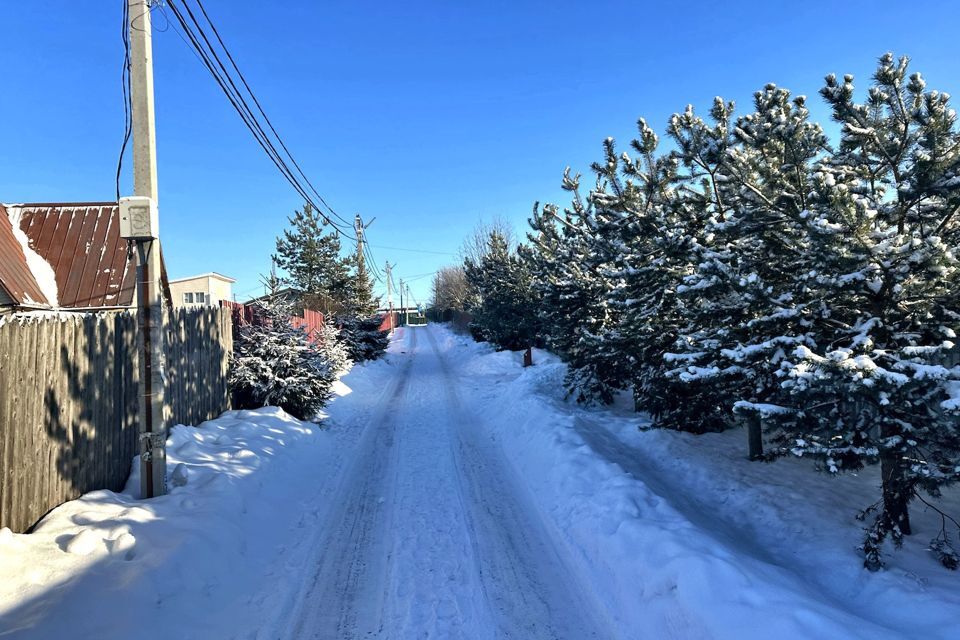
column 878, row 388
column 651, row 236
column 311, row 258
column 275, row 363
column 569, row 256
column 746, row 313
column 755, row 269
column 506, row 311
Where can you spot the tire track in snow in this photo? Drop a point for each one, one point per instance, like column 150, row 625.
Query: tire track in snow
column 528, row 586
column 345, row 597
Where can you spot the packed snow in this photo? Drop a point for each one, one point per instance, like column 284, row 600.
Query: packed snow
column 448, row 492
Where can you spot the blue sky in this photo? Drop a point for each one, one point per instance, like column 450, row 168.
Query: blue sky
column 427, row 115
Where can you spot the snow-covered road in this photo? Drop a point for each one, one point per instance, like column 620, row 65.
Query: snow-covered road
column 429, row 534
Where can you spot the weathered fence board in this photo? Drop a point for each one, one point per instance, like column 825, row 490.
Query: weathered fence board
column 68, row 400
column 198, row 345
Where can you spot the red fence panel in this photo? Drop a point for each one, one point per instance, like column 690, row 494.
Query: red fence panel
column 311, row 321
column 388, row 321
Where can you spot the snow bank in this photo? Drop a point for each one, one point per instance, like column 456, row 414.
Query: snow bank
column 682, row 537
column 189, row 552
column 221, row 556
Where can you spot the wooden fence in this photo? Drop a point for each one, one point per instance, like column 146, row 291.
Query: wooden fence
column 68, row 400
column 198, row 343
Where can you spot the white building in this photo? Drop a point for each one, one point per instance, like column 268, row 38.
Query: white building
column 204, row 289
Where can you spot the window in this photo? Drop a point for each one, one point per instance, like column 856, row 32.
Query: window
column 200, row 297
column 188, row 298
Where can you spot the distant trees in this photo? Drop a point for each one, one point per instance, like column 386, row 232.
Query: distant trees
column 450, row 290
column 759, row 268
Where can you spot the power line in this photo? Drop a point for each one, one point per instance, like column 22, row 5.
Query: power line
column 418, row 276
column 212, row 62
column 125, row 83
column 206, row 52
column 263, row 113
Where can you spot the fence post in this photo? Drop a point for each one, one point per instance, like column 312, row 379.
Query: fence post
column 754, row 435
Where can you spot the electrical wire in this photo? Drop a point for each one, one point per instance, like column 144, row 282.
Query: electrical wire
column 243, row 80
column 214, row 64
column 127, row 98
column 374, row 268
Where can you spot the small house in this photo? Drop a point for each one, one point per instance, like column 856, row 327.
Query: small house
column 207, row 289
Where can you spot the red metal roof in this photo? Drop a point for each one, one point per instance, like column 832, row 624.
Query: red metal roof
column 15, row 276
column 82, row 244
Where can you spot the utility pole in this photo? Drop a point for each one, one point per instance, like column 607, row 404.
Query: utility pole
column 139, row 223
column 406, row 315
column 360, row 229
column 401, row 299
column 388, row 268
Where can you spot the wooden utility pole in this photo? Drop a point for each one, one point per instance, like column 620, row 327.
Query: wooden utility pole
column 153, row 432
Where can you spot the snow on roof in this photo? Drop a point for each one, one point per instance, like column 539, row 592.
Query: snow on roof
column 40, row 268
column 73, row 253
column 16, row 278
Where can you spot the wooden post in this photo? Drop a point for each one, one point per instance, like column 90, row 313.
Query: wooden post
column 528, row 357
column 754, row 435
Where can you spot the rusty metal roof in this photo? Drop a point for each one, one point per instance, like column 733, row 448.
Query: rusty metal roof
column 82, row 243
column 15, row 276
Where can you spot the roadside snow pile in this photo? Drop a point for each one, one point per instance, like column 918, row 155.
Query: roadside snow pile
column 188, row 553
column 682, row 537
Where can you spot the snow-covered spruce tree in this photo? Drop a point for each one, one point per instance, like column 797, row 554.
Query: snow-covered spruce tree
column 274, row 363
column 885, row 226
column 330, row 342
column 746, row 307
column 649, row 235
column 359, row 328
column 309, row 253
column 361, row 302
column 569, row 256
column 361, row 336
column 506, row 311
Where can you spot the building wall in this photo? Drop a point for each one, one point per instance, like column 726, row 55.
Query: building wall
column 214, row 290
column 220, row 290
column 192, row 286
